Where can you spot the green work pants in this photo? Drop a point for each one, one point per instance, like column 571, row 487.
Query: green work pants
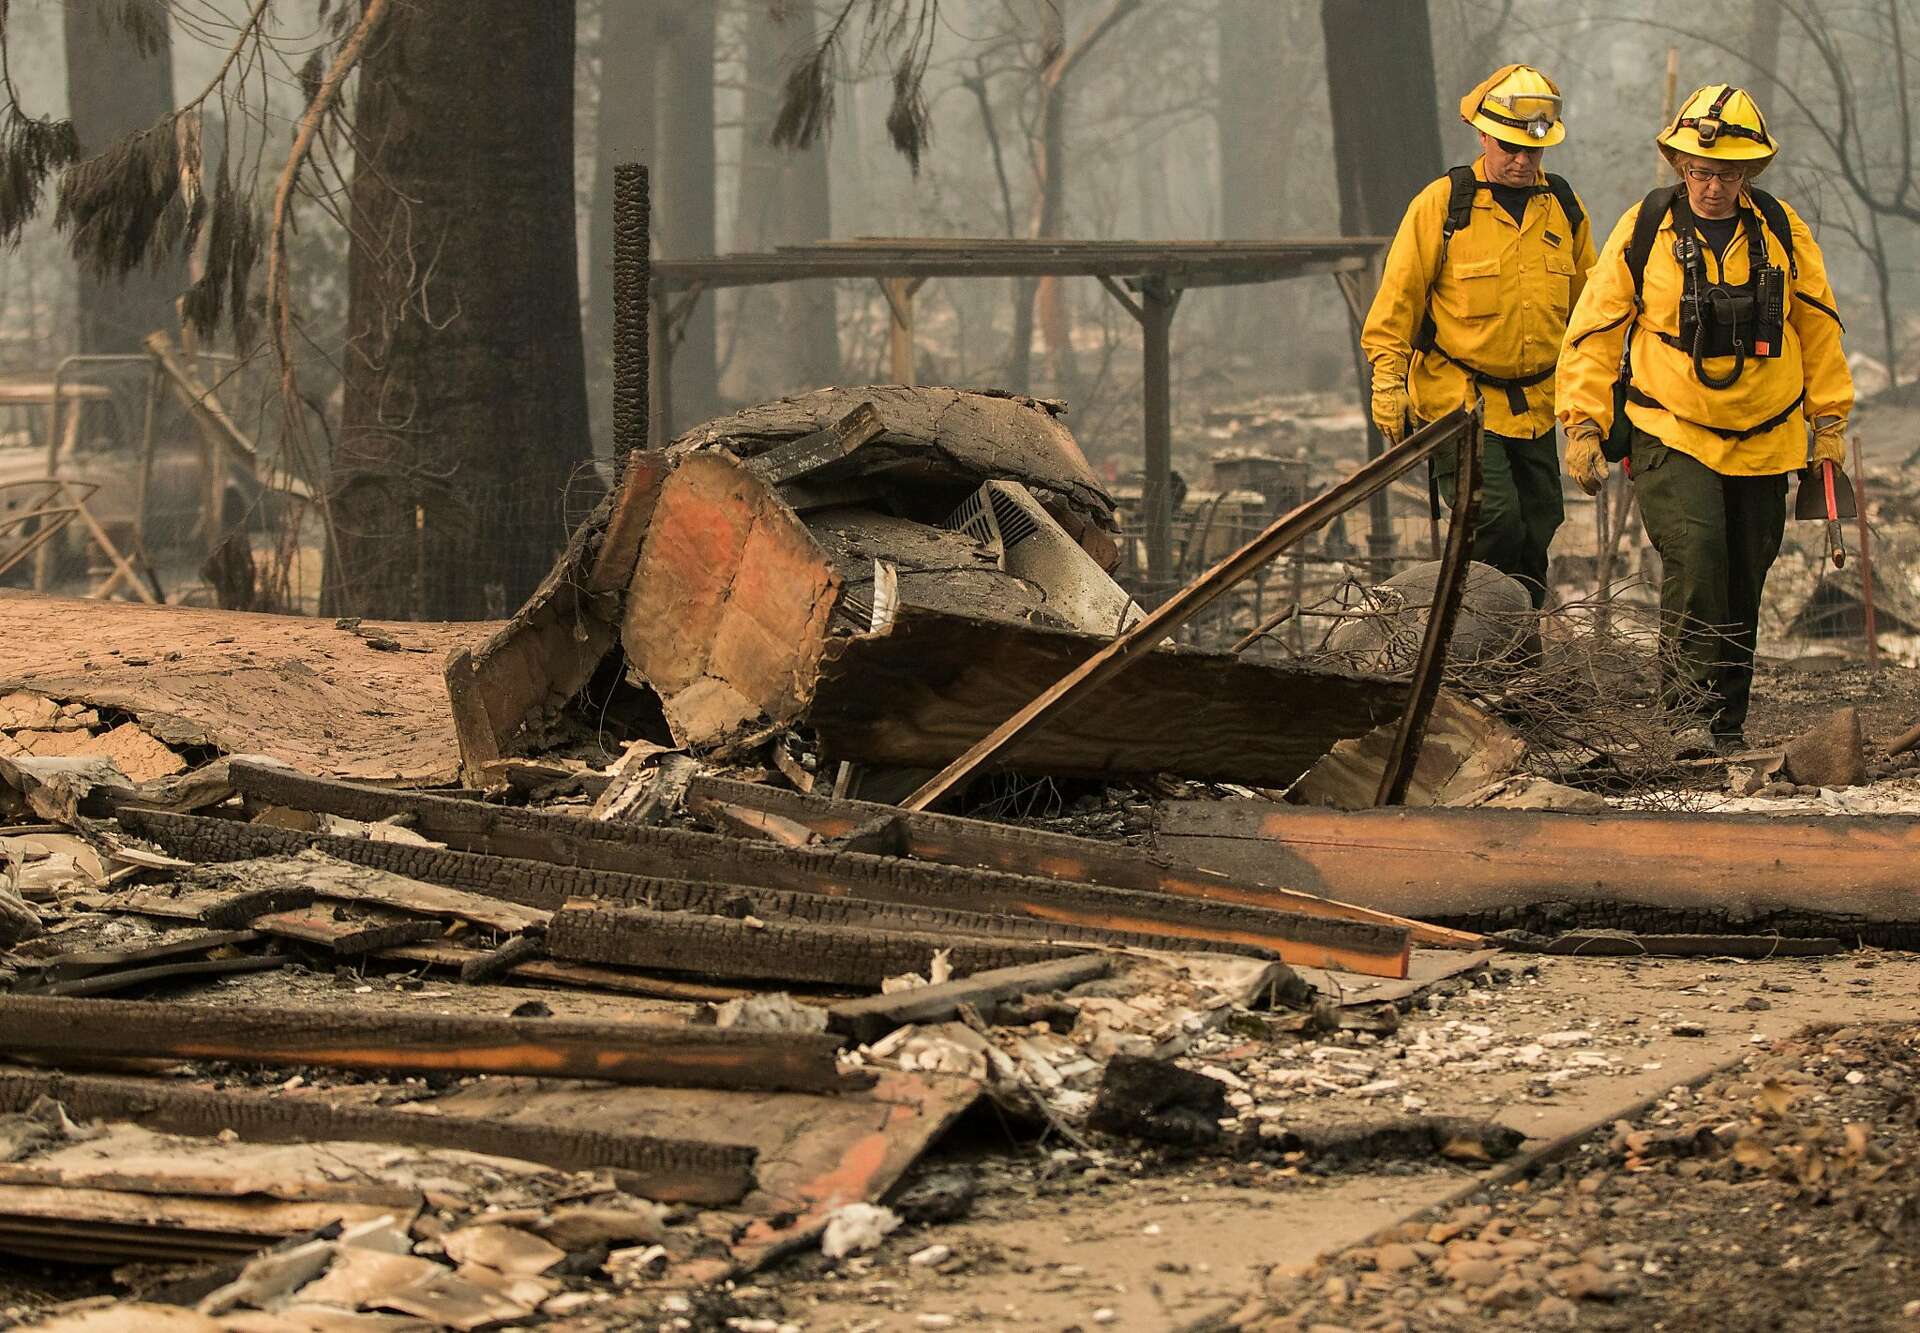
column 1520, row 506
column 1717, row 537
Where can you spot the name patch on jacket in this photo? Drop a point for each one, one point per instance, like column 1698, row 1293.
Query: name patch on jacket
column 1552, row 239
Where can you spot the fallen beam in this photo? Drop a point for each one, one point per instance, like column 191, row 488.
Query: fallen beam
column 684, row 854
column 85, row 962
column 872, row 1017
column 105, row 983
column 669, row 1170
column 573, row 976
column 422, row 1044
column 821, row 955
column 544, row 884
column 952, row 840
column 1652, row 873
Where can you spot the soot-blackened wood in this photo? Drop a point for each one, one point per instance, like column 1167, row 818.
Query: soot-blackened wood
column 813, row 453
column 984, row 844
column 105, row 983
column 423, row 1043
column 348, row 938
column 669, row 1170
column 239, row 908
column 498, row 962
column 574, row 976
column 546, row 885
column 682, row 853
column 874, row 1016
column 824, row 955
column 85, row 962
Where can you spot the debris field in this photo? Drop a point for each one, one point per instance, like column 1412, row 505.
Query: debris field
column 831, row 902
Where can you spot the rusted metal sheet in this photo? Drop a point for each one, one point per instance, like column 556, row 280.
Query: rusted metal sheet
column 921, row 692
column 727, row 610
column 535, row 664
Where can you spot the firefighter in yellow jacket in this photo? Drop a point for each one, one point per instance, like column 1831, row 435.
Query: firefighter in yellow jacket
column 1719, row 294
column 1474, row 299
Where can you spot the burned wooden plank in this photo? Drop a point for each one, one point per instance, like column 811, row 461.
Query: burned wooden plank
column 346, row 936
column 421, row 1043
column 872, row 1017
column 105, row 983
column 1802, row 876
column 230, row 908
column 820, row 450
column 573, row 976
column 822, row 955
column 84, row 962
column 561, row 841
column 543, row 883
column 670, row 1170
column 953, row 840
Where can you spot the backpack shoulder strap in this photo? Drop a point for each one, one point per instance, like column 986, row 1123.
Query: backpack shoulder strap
column 1653, row 211
column 1775, row 214
column 1569, row 202
column 1463, row 184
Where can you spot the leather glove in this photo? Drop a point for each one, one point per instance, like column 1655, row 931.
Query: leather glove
column 1585, row 463
column 1390, row 407
column 1830, row 441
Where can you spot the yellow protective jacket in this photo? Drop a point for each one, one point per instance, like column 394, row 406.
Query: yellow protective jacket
column 1501, row 305
column 1811, row 358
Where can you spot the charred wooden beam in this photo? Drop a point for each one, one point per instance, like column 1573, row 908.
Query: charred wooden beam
column 105, row 983
column 955, row 841
column 422, row 1043
column 346, row 937
column 1800, row 876
column 872, row 1017
column 685, row 854
column 547, row 885
column 85, row 962
column 669, row 1170
column 811, row 454
column 771, row 951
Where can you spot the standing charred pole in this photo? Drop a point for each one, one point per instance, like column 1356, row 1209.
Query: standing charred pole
column 632, row 276
column 1386, row 149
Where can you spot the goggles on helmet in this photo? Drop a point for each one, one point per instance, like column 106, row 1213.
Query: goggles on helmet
column 1534, row 114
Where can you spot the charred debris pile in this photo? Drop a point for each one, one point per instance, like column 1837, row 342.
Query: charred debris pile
column 626, row 961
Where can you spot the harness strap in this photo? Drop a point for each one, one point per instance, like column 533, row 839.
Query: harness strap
column 1637, row 396
column 1515, row 386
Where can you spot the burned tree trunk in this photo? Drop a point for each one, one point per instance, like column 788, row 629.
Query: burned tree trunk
column 465, row 413
column 120, row 81
column 1380, row 87
column 1386, row 148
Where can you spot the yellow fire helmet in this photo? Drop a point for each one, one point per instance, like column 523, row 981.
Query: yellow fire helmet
column 1719, row 121
column 1517, row 105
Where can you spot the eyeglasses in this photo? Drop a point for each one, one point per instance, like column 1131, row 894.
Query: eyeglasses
column 1700, row 176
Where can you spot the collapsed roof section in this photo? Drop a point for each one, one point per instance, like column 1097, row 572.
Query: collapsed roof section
column 897, row 580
